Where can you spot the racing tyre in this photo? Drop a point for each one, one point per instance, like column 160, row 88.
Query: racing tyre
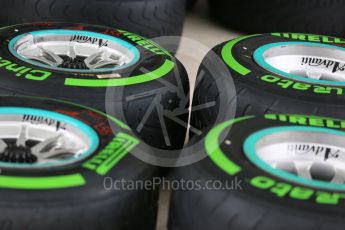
column 102, row 68
column 148, row 18
column 59, row 164
column 190, row 4
column 301, row 16
column 265, row 172
column 276, row 73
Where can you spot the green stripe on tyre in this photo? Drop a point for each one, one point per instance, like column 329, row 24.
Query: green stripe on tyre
column 49, row 182
column 158, row 73
column 227, row 55
column 213, row 150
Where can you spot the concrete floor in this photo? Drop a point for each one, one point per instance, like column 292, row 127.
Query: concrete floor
column 200, row 34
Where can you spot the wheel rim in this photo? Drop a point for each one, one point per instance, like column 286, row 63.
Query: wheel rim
column 73, row 50
column 304, row 61
column 34, row 138
column 306, row 155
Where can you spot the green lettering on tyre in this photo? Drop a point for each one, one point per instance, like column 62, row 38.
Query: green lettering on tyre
column 300, row 193
column 281, row 189
column 108, row 157
column 30, row 74
column 310, row 37
column 262, row 182
column 270, row 78
column 329, row 198
column 301, row 86
column 328, row 90
column 288, row 83
column 314, row 121
column 146, row 44
column 38, row 75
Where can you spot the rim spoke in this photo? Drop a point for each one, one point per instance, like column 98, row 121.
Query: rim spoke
column 45, row 56
column 3, row 145
column 333, row 78
column 104, row 58
column 48, row 149
column 339, row 177
column 46, row 155
column 314, row 75
column 49, row 57
column 72, row 53
column 303, row 169
column 26, row 46
column 37, row 149
column 320, row 76
column 21, row 141
column 24, row 43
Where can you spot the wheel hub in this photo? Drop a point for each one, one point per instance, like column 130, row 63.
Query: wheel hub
column 17, row 154
column 73, row 63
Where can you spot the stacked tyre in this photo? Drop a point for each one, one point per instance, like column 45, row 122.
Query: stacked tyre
column 78, row 104
column 60, row 161
column 280, row 157
column 123, row 71
column 298, row 16
column 276, row 73
column 148, row 18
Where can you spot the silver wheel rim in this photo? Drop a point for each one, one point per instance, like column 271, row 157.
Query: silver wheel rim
column 309, row 155
column 33, row 138
column 73, row 50
column 310, row 62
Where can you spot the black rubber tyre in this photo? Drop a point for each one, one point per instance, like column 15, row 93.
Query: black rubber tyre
column 261, row 91
column 300, row 16
column 155, row 76
column 226, row 190
column 149, row 18
column 78, row 195
column 190, row 4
